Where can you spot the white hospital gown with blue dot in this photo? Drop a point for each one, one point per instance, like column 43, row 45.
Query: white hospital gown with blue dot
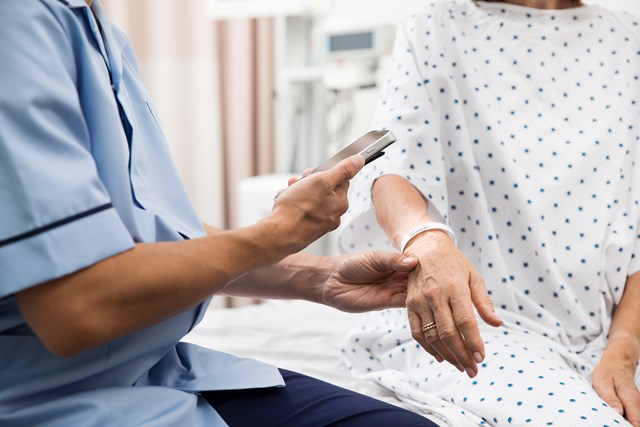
column 521, row 127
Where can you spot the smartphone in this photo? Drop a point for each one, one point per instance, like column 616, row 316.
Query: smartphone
column 369, row 146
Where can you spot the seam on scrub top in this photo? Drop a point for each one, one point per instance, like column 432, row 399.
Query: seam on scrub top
column 53, row 225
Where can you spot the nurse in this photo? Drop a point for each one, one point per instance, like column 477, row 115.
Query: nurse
column 104, row 266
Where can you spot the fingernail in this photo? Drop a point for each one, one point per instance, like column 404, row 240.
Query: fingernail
column 618, row 410
column 471, row 372
column 407, row 261
column 439, row 359
column 460, row 368
column 358, row 161
column 477, row 357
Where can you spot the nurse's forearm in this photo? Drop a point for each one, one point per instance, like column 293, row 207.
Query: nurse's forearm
column 143, row 286
column 624, row 336
column 295, row 277
column 298, row 276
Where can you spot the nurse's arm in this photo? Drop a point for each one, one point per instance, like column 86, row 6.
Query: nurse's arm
column 366, row 281
column 141, row 287
column 153, row 282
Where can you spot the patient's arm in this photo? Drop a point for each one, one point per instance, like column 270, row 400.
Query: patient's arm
column 444, row 287
column 354, row 283
column 613, row 378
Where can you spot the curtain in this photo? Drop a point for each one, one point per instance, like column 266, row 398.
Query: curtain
column 212, row 84
column 247, row 78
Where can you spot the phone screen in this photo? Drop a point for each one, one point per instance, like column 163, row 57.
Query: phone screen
column 369, row 145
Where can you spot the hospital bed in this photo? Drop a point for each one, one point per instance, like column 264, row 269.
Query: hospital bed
column 295, row 335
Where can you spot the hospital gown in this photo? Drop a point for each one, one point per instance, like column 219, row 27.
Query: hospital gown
column 521, row 128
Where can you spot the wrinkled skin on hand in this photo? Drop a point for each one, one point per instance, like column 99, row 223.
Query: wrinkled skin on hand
column 614, row 379
column 444, row 289
column 368, row 281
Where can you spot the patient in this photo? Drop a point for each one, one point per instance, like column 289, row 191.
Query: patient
column 519, row 127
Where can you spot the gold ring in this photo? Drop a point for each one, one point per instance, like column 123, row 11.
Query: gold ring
column 429, row 326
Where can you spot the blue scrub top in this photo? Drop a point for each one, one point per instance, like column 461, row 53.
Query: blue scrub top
column 84, row 173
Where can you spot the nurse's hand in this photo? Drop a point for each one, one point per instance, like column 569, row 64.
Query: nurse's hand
column 442, row 291
column 614, row 378
column 313, row 206
column 368, row 281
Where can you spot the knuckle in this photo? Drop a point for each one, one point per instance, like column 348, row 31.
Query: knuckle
column 465, row 320
column 431, row 338
column 434, row 295
column 414, row 302
column 447, row 333
column 418, row 336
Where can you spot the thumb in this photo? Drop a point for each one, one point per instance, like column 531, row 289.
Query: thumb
column 392, row 261
column 482, row 301
column 346, row 169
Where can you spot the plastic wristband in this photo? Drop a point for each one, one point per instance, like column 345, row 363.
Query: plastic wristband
column 426, row 227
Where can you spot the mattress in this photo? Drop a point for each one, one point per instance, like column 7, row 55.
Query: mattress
column 295, row 335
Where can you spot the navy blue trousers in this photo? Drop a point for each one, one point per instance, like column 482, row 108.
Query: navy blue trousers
column 308, row 402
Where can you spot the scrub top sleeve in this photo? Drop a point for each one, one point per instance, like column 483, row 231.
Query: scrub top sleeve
column 55, row 215
column 406, row 108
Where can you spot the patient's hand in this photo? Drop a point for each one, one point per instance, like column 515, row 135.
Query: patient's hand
column 614, row 380
column 443, row 289
column 368, row 281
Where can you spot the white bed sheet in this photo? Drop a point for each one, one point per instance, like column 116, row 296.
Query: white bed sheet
column 295, row 335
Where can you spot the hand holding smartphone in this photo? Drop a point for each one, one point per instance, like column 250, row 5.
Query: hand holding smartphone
column 369, row 146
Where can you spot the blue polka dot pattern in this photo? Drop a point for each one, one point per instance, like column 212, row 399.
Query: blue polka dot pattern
column 521, row 127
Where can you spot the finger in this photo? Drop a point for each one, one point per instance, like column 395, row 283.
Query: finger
column 292, row 181
column 345, row 170
column 307, row 172
column 433, row 339
column 416, row 331
column 279, row 193
column 450, row 335
column 630, row 397
column 432, row 336
column 467, row 324
column 606, row 390
column 482, row 301
column 392, row 261
column 343, row 189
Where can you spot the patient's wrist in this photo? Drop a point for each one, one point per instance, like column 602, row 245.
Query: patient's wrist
column 624, row 348
column 422, row 230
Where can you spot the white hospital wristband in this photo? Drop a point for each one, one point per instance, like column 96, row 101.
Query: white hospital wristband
column 426, row 227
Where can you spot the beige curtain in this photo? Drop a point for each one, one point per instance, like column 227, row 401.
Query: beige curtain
column 212, row 85
column 246, row 63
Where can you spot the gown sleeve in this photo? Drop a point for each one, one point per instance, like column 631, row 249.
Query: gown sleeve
column 406, row 108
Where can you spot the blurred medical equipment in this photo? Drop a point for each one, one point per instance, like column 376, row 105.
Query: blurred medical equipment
column 329, row 56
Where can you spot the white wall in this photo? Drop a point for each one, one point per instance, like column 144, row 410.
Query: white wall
column 632, row 6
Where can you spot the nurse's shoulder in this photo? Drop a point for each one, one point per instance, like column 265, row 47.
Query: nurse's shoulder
column 45, row 28
column 44, row 12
